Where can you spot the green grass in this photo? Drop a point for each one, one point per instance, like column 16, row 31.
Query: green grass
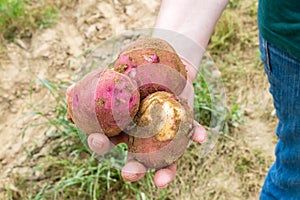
column 10, row 12
column 210, row 101
column 225, row 34
column 20, row 18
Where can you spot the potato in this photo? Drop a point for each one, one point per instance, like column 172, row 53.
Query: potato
column 155, row 66
column 163, row 130
column 104, row 101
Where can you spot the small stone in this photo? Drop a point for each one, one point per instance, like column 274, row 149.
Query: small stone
column 273, row 113
column 21, row 44
column 216, row 74
column 4, row 162
column 13, row 110
column 248, row 111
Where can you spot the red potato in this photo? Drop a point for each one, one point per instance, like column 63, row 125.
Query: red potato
column 155, row 66
column 104, row 101
column 163, row 131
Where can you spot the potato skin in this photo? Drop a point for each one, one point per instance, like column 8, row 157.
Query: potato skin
column 104, row 101
column 164, row 69
column 163, row 131
column 116, row 102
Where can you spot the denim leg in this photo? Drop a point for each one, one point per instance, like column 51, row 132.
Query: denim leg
column 283, row 71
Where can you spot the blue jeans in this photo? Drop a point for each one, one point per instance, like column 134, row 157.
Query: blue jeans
column 283, row 71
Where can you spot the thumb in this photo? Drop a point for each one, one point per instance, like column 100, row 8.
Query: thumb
column 99, row 143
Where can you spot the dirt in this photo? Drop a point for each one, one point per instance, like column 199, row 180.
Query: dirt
column 258, row 130
column 54, row 53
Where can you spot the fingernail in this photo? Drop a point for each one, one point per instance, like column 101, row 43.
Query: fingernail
column 164, row 180
column 162, row 186
column 131, row 177
column 97, row 143
column 202, row 138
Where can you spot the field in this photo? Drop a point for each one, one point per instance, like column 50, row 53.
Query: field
column 42, row 47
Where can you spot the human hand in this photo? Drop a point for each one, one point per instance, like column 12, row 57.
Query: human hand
column 133, row 170
column 150, row 71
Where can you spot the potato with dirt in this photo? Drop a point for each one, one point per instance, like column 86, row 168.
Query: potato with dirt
column 104, row 101
column 154, row 65
column 163, row 130
column 138, row 97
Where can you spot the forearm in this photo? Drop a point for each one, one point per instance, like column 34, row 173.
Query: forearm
column 195, row 19
column 189, row 25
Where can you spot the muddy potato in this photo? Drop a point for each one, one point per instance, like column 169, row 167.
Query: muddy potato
column 163, row 130
column 155, row 66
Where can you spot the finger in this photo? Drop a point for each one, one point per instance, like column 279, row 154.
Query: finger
column 199, row 134
column 69, row 89
column 164, row 176
column 99, row 143
column 133, row 170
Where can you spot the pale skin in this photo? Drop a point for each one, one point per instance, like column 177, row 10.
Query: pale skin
column 196, row 20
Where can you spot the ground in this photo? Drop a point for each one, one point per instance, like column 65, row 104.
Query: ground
column 56, row 53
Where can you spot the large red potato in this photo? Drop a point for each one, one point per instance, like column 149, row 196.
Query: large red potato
column 104, row 101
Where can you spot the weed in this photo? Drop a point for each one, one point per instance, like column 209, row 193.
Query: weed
column 225, row 33
column 47, row 17
column 210, row 104
column 202, row 101
column 20, row 18
column 11, row 13
column 233, row 4
column 253, row 9
column 233, row 117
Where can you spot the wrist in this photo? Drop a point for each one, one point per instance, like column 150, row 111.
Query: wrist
column 188, row 50
column 195, row 19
